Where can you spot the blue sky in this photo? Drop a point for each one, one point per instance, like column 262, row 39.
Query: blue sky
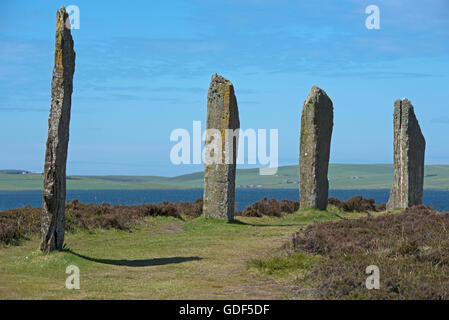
column 143, row 69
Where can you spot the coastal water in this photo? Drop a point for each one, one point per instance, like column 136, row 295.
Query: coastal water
column 439, row 199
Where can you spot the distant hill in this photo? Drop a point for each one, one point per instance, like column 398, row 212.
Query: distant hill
column 14, row 171
column 341, row 176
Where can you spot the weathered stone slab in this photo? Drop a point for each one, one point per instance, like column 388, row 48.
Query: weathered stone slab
column 54, row 187
column 314, row 151
column 220, row 149
column 409, row 150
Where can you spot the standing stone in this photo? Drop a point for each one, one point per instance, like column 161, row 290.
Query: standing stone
column 315, row 141
column 54, row 188
column 219, row 177
column 409, row 149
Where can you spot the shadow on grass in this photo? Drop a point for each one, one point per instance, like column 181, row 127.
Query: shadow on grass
column 238, row 222
column 137, row 263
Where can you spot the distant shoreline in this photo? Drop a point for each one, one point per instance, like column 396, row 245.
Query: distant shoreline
column 341, row 177
column 243, row 197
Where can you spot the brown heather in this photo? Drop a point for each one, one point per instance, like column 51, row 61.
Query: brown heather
column 270, row 207
column 411, row 250
column 357, row 204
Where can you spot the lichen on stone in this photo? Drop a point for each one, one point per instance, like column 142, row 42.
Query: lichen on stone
column 219, row 179
column 409, row 150
column 54, row 184
column 315, row 138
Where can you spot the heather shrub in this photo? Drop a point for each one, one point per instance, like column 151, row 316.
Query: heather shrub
column 411, row 250
column 357, row 204
column 8, row 233
column 101, row 216
column 335, row 202
column 289, row 206
column 16, row 224
column 191, row 209
column 270, row 207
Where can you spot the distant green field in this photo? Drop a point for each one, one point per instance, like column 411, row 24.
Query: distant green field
column 341, row 176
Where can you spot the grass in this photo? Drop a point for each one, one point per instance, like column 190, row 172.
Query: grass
column 18, row 182
column 199, row 259
column 283, row 265
column 341, row 176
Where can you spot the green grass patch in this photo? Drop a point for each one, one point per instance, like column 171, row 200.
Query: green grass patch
column 294, row 263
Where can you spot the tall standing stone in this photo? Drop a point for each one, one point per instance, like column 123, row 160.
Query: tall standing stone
column 54, row 188
column 316, row 132
column 409, row 150
column 219, row 176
